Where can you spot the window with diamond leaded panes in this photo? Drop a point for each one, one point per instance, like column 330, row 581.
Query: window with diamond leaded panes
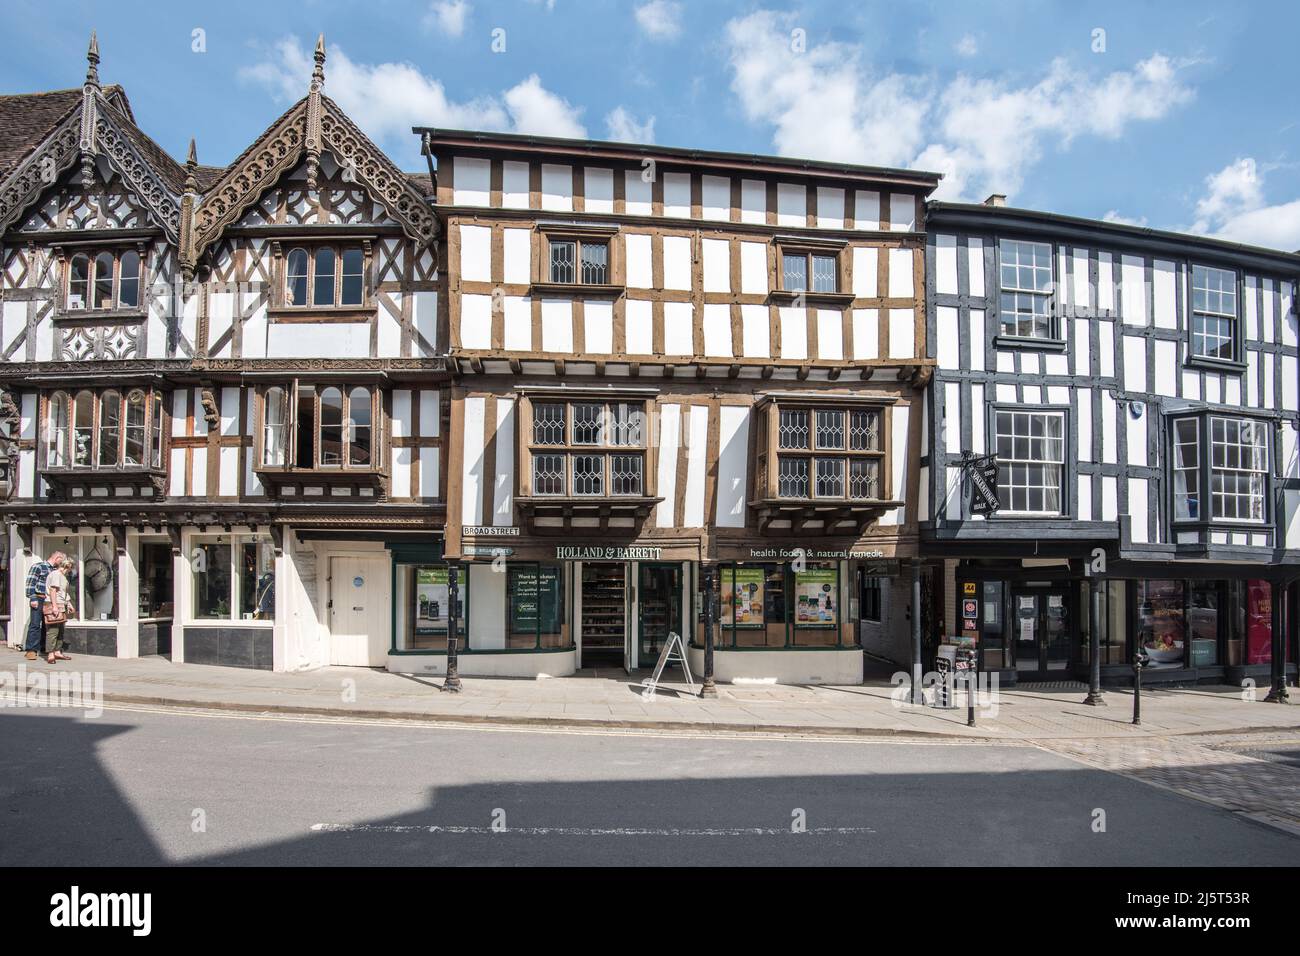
column 579, row 261
column 588, row 448
column 808, row 271
column 829, row 453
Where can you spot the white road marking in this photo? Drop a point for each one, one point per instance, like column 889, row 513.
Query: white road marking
column 586, row 831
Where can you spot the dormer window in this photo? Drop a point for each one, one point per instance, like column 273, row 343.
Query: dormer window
column 325, row 277
column 103, row 281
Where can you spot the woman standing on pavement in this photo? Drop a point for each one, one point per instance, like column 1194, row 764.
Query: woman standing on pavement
column 58, row 607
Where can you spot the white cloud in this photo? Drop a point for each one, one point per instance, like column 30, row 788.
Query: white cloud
column 1114, row 215
column 387, row 99
column 983, row 134
column 1233, row 208
column 449, row 16
column 967, row 46
column 660, row 19
column 622, row 127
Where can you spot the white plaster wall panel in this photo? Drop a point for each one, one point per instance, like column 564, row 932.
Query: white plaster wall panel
column 471, row 181
column 1137, row 509
column 429, row 475
column 975, row 265
column 733, row 456
column 977, row 340
column 677, row 262
column 755, row 331
column 900, row 274
column 476, row 253
column 1192, row 386
column 1105, row 282
column 598, row 189
column 598, row 327
column 1033, row 395
column 717, row 265
column 1083, row 500
column 430, row 413
column 830, row 335
column 640, row 271
column 516, row 248
column 753, row 268
column 503, row 482
column 717, row 330
column 952, row 417
column 638, row 194
column 45, row 341
column 1268, row 380
column 228, row 472
column 1084, row 414
column 318, row 340
column 1213, row 388
column 902, row 212
column 475, row 409
column 1109, row 413
column 1166, row 362
column 948, row 339
column 945, row 265
column 557, row 325
column 670, row 418
column 221, row 313
column 866, row 209
column 178, row 412
column 791, row 204
column 1058, row 395
column 753, row 201
column 1082, row 285
column 866, row 266
column 1136, row 438
column 830, row 207
column 1290, row 459
column 1055, row 364
column 1082, row 353
column 425, row 309
column 27, row 417
column 1029, row 363
column 697, row 466
column 977, row 421
column 1006, row 363
column 923, row 499
column 1109, row 498
column 715, row 198
column 902, row 333
column 514, row 185
column 1252, row 310
column 1106, row 348
column 487, row 607
column 388, row 334
column 1289, row 318
column 14, row 324
column 952, row 494
column 679, row 328
column 866, row 333
column 1231, row 390
column 401, row 468
column 677, row 195
column 1267, row 328
column 1289, row 373
column 1135, row 363
column 176, row 484
column 229, row 412
column 1133, row 290
column 899, row 416
column 794, row 333
column 557, row 187
column 639, row 327
column 27, row 474
column 401, row 428
column 199, row 477
column 476, row 321
column 1165, row 299
column 156, row 334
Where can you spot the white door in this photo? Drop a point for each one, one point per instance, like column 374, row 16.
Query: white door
column 360, row 619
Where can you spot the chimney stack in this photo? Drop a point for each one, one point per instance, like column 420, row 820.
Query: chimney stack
column 997, row 199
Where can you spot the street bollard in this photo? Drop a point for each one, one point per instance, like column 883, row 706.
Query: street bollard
column 971, row 684
column 1140, row 660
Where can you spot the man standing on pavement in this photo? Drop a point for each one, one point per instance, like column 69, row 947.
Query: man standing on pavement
column 36, row 594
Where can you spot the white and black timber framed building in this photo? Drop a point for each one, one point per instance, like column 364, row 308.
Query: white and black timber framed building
column 223, row 386
column 1139, row 391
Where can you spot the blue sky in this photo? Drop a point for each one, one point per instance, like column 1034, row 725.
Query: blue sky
column 1180, row 116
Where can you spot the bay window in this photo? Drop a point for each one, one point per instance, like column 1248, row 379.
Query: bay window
column 307, row 426
column 107, row 430
column 588, row 448
column 831, row 453
column 1221, row 461
column 325, row 276
column 103, row 281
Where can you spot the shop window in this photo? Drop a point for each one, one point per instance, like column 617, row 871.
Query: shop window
column 1162, row 622
column 1113, row 637
column 232, row 578
column 92, row 582
column 587, row 448
column 1214, row 313
column 318, row 426
column 325, row 276
column 424, row 603
column 1031, row 458
column 1233, row 478
column 993, row 627
column 104, row 430
column 156, row 580
column 829, row 453
column 534, row 606
column 775, row 606
column 1251, row 641
column 1026, row 290
column 103, row 281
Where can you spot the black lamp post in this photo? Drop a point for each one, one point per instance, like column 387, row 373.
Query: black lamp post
column 1277, row 692
column 452, row 682
column 708, row 688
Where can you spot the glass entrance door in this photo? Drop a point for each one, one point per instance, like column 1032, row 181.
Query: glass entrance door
column 661, row 609
column 604, row 605
column 1041, row 631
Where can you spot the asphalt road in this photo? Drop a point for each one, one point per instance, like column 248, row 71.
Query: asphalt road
column 138, row 787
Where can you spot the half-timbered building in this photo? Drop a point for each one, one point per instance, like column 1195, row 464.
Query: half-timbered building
column 224, row 386
column 1138, row 393
column 687, row 388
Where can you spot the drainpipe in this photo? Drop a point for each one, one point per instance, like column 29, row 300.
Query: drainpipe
column 917, row 696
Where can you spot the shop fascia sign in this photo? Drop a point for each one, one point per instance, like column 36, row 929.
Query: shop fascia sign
column 814, row 554
column 601, row 553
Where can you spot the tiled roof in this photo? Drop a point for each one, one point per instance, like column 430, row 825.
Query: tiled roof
column 27, row 118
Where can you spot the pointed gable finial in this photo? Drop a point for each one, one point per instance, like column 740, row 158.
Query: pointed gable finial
column 191, row 169
column 318, row 71
column 92, row 60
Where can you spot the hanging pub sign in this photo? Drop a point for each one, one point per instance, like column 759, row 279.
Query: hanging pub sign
column 983, row 473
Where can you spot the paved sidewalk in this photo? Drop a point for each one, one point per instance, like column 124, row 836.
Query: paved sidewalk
column 612, row 699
